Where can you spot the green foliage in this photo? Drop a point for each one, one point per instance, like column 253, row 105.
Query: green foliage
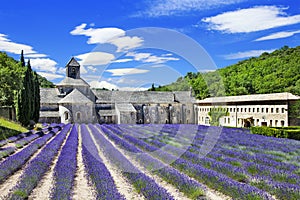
column 44, row 83
column 215, row 114
column 279, row 132
column 278, row 71
column 27, row 99
column 11, row 73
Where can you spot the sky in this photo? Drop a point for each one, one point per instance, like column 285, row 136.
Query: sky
column 132, row 44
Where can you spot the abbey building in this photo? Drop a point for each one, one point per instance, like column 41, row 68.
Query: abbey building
column 73, row 101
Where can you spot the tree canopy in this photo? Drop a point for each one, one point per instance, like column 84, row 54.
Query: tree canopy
column 278, row 71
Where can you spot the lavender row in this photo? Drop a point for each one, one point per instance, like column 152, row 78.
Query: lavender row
column 6, row 151
column 26, row 140
column 211, row 178
column 142, row 183
column 190, row 188
column 98, row 174
column 16, row 161
column 37, row 167
column 65, row 169
column 264, row 173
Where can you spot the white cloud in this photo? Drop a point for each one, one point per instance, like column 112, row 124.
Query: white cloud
column 50, row 76
column 36, row 55
column 126, row 43
column 126, row 71
column 278, row 35
column 91, row 68
column 43, row 64
column 149, row 58
column 98, row 35
column 246, row 54
column 251, row 19
column 102, row 84
column 12, row 47
column 95, row 58
column 62, row 70
column 110, row 35
column 179, row 7
column 123, row 60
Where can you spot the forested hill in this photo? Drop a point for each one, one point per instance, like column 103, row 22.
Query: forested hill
column 278, row 71
column 12, row 73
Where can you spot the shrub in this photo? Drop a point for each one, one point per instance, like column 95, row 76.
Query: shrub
column 267, row 131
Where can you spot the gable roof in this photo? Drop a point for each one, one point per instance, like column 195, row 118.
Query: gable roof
column 75, row 97
column 73, row 62
column 251, row 98
column 125, row 107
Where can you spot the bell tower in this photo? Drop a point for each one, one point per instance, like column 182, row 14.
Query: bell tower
column 73, row 69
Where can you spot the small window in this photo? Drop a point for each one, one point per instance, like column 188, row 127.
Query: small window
column 271, row 123
column 78, row 116
column 272, row 110
column 277, row 110
column 257, row 122
column 262, row 110
column 267, row 110
column 276, row 123
column 225, row 120
column 234, row 110
column 282, row 123
column 66, row 116
column 282, row 110
column 257, row 110
column 230, row 109
column 249, row 110
column 253, row 110
column 245, row 109
column 238, row 110
column 228, row 120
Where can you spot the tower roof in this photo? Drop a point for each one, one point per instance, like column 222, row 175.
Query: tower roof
column 73, row 62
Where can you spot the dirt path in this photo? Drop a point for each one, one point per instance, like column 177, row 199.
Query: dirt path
column 43, row 189
column 13, row 179
column 82, row 190
column 123, row 186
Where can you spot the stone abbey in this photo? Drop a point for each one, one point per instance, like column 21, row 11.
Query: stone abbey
column 73, row 101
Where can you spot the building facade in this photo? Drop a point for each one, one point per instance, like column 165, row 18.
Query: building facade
column 248, row 110
column 73, row 101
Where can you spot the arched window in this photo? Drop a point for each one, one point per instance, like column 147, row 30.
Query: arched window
column 66, row 115
column 78, row 116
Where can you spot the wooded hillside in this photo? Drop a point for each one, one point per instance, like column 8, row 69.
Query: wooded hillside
column 278, row 71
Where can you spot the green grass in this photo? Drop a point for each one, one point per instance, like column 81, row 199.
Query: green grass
column 9, row 128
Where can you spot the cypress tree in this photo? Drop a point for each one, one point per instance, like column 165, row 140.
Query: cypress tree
column 36, row 112
column 22, row 60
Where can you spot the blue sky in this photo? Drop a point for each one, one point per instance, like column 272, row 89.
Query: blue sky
column 131, row 44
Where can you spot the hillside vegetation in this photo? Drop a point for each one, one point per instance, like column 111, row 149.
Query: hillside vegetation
column 9, row 128
column 278, row 71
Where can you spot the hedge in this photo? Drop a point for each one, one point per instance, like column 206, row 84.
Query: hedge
column 279, row 132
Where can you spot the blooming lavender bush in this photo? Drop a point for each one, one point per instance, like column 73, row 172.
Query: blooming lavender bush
column 37, row 167
column 190, row 188
column 6, row 151
column 16, row 161
column 98, row 174
column 65, row 169
column 142, row 183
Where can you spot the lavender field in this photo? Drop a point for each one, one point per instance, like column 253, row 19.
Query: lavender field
column 148, row 162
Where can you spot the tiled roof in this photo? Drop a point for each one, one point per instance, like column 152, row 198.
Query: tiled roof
column 250, row 98
column 49, row 95
column 73, row 82
column 73, row 62
column 141, row 96
column 75, row 97
column 49, row 114
column 125, row 107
